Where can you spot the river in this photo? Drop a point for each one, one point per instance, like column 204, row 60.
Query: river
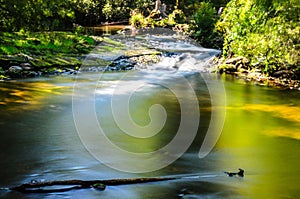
column 46, row 127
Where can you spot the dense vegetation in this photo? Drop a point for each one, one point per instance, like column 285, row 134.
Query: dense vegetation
column 266, row 32
column 37, row 15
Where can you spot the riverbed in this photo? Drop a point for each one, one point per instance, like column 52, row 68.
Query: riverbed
column 42, row 138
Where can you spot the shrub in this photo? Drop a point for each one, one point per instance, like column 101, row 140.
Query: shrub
column 203, row 28
column 137, row 19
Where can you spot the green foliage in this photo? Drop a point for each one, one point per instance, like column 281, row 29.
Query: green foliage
column 45, row 15
column 78, row 29
column 115, row 10
column 137, row 19
column 88, row 12
column 35, row 14
column 118, row 10
column 191, row 6
column 204, row 17
column 203, row 28
column 144, row 6
column 265, row 32
column 177, row 16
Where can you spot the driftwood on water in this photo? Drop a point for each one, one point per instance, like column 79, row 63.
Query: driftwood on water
column 67, row 185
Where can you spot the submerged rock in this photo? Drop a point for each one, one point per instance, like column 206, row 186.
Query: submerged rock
column 137, row 61
column 123, row 63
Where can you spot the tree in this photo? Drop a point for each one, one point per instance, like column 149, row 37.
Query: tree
column 115, row 10
column 36, row 14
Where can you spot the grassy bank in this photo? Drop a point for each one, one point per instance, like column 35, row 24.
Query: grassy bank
column 42, row 51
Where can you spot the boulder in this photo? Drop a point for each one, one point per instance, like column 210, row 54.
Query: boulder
column 15, row 69
column 26, row 66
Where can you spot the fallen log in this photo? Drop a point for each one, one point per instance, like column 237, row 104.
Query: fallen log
column 45, row 187
column 67, row 185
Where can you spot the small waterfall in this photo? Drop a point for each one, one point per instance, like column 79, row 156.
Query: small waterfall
column 150, row 49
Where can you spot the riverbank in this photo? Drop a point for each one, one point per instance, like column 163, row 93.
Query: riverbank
column 25, row 54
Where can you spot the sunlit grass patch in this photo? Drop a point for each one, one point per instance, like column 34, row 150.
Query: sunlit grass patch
column 12, row 43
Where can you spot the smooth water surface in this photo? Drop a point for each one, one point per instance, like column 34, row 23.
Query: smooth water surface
column 261, row 134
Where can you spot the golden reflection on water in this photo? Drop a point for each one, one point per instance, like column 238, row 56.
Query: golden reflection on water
column 291, row 113
column 282, row 112
column 27, row 95
column 283, row 132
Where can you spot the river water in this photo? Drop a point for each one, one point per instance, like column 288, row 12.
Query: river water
column 42, row 121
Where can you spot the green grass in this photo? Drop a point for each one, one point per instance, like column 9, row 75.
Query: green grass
column 46, row 48
column 54, row 42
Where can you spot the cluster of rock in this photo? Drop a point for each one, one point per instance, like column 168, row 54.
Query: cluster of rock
column 240, row 66
column 122, row 63
column 135, row 62
column 21, row 70
column 21, row 66
column 25, row 70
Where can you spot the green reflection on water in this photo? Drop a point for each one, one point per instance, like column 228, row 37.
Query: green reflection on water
column 140, row 103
